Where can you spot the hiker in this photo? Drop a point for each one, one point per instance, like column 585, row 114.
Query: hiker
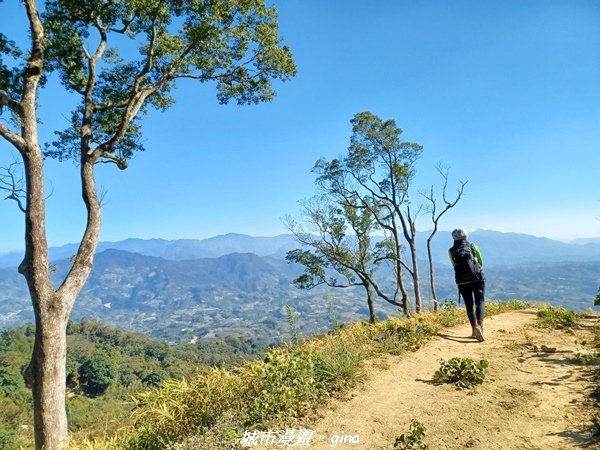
column 467, row 262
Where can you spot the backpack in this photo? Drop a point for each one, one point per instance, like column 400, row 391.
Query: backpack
column 466, row 267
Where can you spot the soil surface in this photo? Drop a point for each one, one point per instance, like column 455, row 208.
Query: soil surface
column 532, row 397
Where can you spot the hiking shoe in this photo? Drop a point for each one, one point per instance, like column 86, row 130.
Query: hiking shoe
column 478, row 332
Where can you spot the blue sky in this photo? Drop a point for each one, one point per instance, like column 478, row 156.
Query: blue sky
column 506, row 93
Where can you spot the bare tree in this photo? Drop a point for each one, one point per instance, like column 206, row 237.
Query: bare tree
column 436, row 215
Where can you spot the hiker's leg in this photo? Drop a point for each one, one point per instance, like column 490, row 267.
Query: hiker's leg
column 466, row 293
column 478, row 294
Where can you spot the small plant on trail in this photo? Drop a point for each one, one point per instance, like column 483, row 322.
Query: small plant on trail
column 465, row 373
column 589, row 350
column 413, row 440
column 557, row 317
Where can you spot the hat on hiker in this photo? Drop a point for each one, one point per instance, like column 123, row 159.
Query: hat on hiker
column 459, row 234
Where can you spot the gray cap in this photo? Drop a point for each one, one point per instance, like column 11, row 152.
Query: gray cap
column 459, row 234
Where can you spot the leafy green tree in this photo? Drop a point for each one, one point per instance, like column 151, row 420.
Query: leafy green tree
column 96, row 374
column 375, row 175
column 597, row 299
column 336, row 248
column 11, row 380
column 231, row 43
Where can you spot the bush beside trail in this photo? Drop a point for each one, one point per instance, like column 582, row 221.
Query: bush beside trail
column 282, row 390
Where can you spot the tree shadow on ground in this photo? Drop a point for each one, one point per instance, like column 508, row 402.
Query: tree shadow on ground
column 580, row 438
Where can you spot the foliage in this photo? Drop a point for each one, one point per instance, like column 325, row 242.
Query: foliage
column 597, row 299
column 338, row 236
column 96, row 374
column 212, row 410
column 557, row 317
column 106, row 365
column 451, row 314
column 235, row 44
column 465, row 373
column 336, row 325
column 413, row 440
column 589, row 353
column 9, row 438
column 358, row 194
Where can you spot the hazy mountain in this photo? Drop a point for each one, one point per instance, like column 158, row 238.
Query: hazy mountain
column 516, row 249
column 498, row 248
column 246, row 294
column 586, row 241
column 240, row 294
column 180, row 249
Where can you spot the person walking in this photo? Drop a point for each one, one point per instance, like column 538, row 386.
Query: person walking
column 467, row 262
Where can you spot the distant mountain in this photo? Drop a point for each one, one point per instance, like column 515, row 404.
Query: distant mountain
column 514, row 249
column 237, row 294
column 246, row 295
column 586, row 241
column 498, row 248
column 180, row 249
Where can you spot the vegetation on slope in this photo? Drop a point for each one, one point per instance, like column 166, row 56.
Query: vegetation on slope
column 214, row 409
column 114, row 402
column 105, row 367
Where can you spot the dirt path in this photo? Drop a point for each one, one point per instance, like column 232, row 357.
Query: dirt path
column 530, row 399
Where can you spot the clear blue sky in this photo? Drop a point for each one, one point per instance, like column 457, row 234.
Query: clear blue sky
column 507, row 93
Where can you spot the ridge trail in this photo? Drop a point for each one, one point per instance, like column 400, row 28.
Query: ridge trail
column 530, row 399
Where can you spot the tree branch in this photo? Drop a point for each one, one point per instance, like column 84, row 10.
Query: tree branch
column 13, row 185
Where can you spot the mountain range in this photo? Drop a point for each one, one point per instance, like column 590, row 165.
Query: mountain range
column 185, row 290
column 498, row 248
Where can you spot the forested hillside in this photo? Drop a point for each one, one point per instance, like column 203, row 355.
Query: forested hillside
column 105, row 366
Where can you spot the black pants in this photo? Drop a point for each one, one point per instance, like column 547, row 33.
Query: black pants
column 473, row 296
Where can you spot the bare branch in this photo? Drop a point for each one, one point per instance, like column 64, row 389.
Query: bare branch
column 13, row 184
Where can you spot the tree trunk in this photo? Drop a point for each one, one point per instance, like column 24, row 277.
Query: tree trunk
column 370, row 303
column 398, row 270
column 415, row 274
column 52, row 307
column 431, row 281
column 48, row 367
column 46, row 371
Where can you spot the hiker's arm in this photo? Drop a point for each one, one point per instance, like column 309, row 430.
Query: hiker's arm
column 478, row 255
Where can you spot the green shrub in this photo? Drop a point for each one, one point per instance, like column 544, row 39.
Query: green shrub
column 465, row 373
column 557, row 317
column 10, row 439
column 212, row 410
column 283, row 384
column 337, row 369
column 413, row 440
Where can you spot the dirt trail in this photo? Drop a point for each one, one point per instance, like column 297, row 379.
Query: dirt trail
column 530, row 399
